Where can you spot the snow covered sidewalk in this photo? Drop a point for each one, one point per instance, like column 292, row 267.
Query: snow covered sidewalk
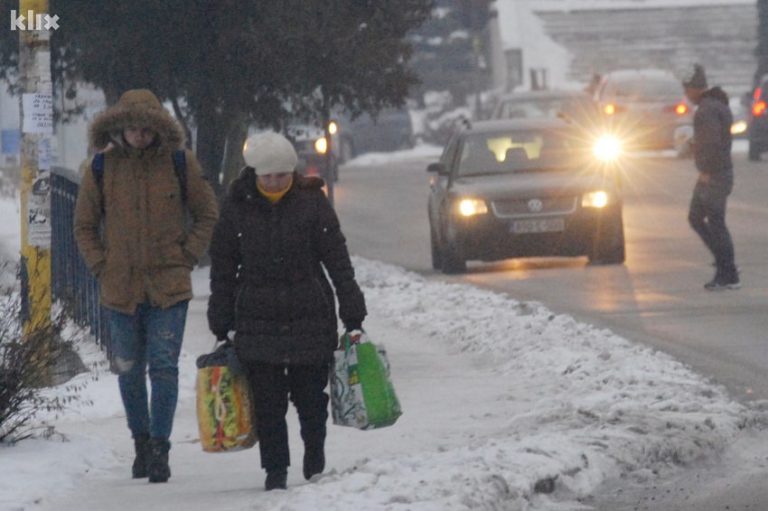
column 497, row 395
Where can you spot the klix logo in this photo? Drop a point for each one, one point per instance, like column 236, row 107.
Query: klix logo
column 34, row 21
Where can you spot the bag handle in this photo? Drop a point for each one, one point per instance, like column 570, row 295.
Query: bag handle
column 351, row 337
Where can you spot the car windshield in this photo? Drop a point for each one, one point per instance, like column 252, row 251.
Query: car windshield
column 536, row 107
column 649, row 89
column 515, row 151
column 529, row 108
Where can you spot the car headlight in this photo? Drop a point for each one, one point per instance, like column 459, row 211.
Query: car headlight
column 321, row 145
column 471, row 207
column 598, row 199
column 738, row 127
column 607, row 148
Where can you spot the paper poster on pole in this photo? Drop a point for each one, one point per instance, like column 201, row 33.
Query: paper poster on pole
column 39, row 211
column 38, row 113
column 43, row 73
column 44, row 154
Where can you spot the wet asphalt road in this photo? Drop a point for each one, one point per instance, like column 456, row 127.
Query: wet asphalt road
column 656, row 298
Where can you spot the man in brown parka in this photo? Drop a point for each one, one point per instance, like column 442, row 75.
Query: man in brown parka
column 131, row 228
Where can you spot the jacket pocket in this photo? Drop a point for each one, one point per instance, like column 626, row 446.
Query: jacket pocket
column 115, row 280
column 172, row 254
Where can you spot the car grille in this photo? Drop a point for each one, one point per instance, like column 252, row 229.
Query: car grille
column 530, row 206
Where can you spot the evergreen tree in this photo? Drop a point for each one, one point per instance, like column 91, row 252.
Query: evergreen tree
column 227, row 63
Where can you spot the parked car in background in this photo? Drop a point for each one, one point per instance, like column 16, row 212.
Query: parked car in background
column 643, row 107
column 740, row 108
column 543, row 104
column 758, row 124
column 519, row 188
column 309, row 142
column 389, row 131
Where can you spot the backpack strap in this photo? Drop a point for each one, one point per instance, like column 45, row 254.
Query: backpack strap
column 97, row 169
column 180, row 168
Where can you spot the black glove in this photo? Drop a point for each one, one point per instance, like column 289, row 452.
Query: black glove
column 353, row 325
column 222, row 336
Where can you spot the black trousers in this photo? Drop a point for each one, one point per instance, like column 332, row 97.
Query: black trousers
column 707, row 217
column 272, row 386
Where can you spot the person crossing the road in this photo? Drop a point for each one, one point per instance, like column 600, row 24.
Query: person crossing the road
column 712, row 155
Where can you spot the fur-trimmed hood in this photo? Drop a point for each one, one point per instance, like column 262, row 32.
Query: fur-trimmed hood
column 141, row 108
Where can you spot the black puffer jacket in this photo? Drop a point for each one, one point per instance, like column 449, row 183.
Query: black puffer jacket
column 712, row 136
column 267, row 278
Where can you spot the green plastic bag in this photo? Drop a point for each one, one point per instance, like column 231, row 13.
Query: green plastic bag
column 362, row 394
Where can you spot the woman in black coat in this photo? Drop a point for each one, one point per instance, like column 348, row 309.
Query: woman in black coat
column 276, row 238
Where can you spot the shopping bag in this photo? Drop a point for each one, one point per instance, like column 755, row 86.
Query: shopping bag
column 362, row 394
column 224, row 406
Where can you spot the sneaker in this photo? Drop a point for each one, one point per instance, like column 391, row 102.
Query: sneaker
column 721, row 283
column 276, row 480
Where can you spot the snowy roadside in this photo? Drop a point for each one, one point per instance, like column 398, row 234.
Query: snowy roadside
column 497, row 395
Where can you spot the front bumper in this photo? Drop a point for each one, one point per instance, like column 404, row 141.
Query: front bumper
column 491, row 238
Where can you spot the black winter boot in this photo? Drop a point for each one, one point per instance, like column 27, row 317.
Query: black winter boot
column 140, row 462
column 276, row 479
column 158, row 468
column 314, row 460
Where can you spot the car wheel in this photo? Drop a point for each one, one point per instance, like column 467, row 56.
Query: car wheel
column 451, row 260
column 610, row 249
column 436, row 259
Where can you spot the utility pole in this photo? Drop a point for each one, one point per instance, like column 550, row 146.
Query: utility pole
column 35, row 27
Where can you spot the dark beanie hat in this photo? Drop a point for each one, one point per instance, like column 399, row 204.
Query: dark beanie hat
column 697, row 79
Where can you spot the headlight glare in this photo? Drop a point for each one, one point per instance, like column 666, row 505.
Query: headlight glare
column 738, row 127
column 597, row 199
column 321, row 145
column 472, row 207
column 607, row 148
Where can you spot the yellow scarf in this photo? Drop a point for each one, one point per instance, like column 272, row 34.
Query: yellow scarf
column 273, row 197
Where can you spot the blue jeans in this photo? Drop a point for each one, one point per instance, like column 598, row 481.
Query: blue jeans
column 149, row 337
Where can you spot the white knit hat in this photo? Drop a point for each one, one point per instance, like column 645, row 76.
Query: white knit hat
column 269, row 153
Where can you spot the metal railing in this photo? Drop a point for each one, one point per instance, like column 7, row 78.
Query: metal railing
column 73, row 285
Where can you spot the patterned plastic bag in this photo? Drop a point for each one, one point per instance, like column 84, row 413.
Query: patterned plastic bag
column 362, row 394
column 224, row 407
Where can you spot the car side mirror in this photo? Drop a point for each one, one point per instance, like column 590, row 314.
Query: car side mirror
column 439, row 168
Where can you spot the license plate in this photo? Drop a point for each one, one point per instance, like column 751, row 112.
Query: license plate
column 538, row 225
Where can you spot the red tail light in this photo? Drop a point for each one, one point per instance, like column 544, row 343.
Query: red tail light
column 758, row 109
column 758, row 94
column 611, row 109
column 679, row 109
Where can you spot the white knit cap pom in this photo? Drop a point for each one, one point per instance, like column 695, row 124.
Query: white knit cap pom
column 269, row 153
